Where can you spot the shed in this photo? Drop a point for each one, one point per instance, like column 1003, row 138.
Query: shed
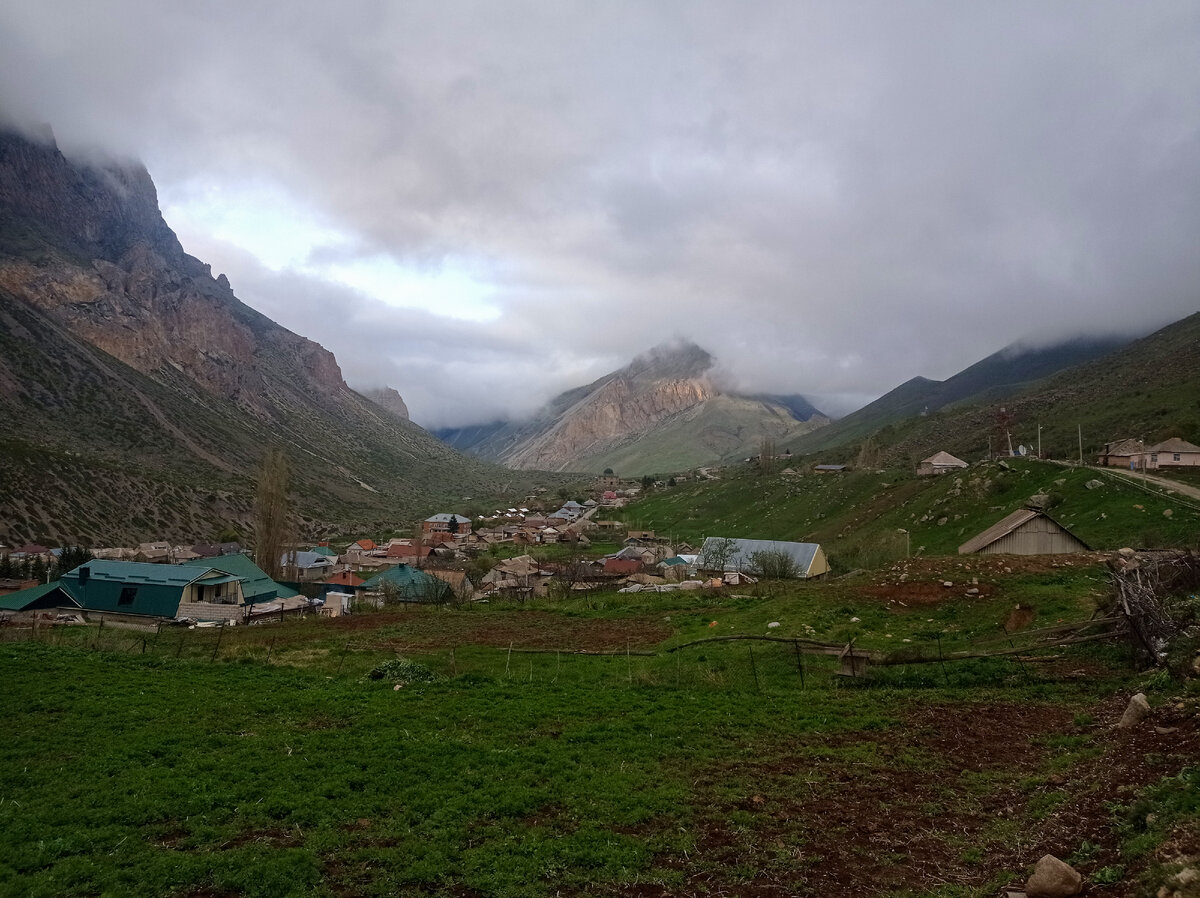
column 940, row 463
column 809, row 558
column 1027, row 531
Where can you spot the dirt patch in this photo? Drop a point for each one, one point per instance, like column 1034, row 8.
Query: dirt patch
column 924, row 593
column 957, row 796
column 1020, row 618
column 528, row 629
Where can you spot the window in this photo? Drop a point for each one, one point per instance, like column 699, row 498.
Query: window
column 128, row 593
column 1176, row 456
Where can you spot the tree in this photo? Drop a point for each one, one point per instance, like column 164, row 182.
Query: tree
column 773, row 564
column 647, row 482
column 272, row 517
column 766, row 456
column 70, row 558
column 717, row 552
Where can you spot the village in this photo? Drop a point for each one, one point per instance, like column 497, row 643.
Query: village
column 516, row 553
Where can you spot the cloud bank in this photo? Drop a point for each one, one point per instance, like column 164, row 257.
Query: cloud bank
column 482, row 204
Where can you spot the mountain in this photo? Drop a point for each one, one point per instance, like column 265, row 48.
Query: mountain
column 1147, row 388
column 140, row 394
column 1003, row 373
column 662, row 412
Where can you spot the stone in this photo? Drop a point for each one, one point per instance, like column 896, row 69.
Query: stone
column 1053, row 878
column 1167, row 512
column 1136, row 711
column 1126, row 552
column 973, row 591
column 1093, row 484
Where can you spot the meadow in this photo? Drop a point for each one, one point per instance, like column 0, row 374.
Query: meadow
column 562, row 748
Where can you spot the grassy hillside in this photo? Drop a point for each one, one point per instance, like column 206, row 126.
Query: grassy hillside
column 857, row 515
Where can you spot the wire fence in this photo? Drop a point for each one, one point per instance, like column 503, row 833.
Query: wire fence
column 736, row 662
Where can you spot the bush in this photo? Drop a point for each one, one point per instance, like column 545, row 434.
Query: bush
column 401, row 670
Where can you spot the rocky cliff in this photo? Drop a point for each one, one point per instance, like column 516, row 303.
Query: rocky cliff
column 143, row 392
column 662, row 412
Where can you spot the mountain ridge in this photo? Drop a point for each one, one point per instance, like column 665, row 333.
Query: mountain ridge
column 661, row 412
column 133, row 368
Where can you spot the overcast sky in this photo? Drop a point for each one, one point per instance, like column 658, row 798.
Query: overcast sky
column 484, row 203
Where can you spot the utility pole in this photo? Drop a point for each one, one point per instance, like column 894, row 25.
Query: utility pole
column 1039, row 441
column 1081, row 444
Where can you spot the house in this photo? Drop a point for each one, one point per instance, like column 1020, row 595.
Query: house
column 623, row 566
column 1174, row 453
column 306, row 565
column 940, row 463
column 722, row 554
column 154, row 553
column 608, row 482
column 343, row 582
column 133, row 589
column 446, row 523
column 408, row 584
column 1122, row 454
column 829, row 469
column 638, row 534
column 1027, row 531
column 457, row 581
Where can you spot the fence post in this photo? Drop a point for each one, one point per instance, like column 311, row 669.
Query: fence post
column 754, row 669
column 217, row 647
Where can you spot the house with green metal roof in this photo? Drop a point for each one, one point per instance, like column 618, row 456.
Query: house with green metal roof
column 257, row 587
column 409, row 584
column 157, row 590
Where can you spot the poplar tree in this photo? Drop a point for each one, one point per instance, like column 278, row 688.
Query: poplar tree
column 272, row 520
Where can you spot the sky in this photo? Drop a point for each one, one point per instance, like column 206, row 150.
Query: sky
column 482, row 204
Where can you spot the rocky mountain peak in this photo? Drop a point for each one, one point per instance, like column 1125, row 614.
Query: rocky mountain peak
column 682, row 360
column 388, row 398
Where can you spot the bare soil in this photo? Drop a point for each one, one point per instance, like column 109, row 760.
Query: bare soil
column 960, row 796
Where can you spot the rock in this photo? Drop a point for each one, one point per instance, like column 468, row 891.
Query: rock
column 947, row 583
column 1137, row 710
column 1126, row 552
column 1053, row 878
column 1093, row 484
column 773, row 624
column 1038, row 500
column 973, row 591
column 1167, row 512
column 223, row 282
column 1166, row 731
column 942, row 521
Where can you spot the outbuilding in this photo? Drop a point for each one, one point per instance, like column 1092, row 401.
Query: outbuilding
column 1027, row 531
column 940, row 463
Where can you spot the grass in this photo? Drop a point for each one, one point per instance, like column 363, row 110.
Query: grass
column 496, row 771
column 858, row 516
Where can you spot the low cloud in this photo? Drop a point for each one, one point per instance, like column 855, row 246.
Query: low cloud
column 830, row 198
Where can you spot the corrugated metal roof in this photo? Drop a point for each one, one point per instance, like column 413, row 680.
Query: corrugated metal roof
column 256, row 585
column 411, row 583
column 801, row 553
column 32, row 597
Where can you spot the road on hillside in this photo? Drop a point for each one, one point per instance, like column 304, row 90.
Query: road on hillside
column 1183, row 489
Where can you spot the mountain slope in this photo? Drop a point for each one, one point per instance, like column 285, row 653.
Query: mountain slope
column 148, row 392
column 1000, row 374
column 660, row 413
column 1149, row 388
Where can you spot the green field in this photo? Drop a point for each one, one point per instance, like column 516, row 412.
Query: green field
column 858, row 515
column 491, row 758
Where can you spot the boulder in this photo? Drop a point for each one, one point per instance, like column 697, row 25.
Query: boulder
column 1126, row 552
column 1093, row 484
column 1136, row 711
column 1053, row 878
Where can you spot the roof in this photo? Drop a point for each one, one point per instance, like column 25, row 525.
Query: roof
column 1175, row 444
column 801, row 553
column 44, row 595
column 411, row 583
column 324, row 550
column 1124, row 447
column 345, row 578
column 1005, row 526
column 445, row 518
column 830, row 467
column 135, row 587
column 305, row 560
column 944, row 459
column 256, row 585
column 365, row 544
